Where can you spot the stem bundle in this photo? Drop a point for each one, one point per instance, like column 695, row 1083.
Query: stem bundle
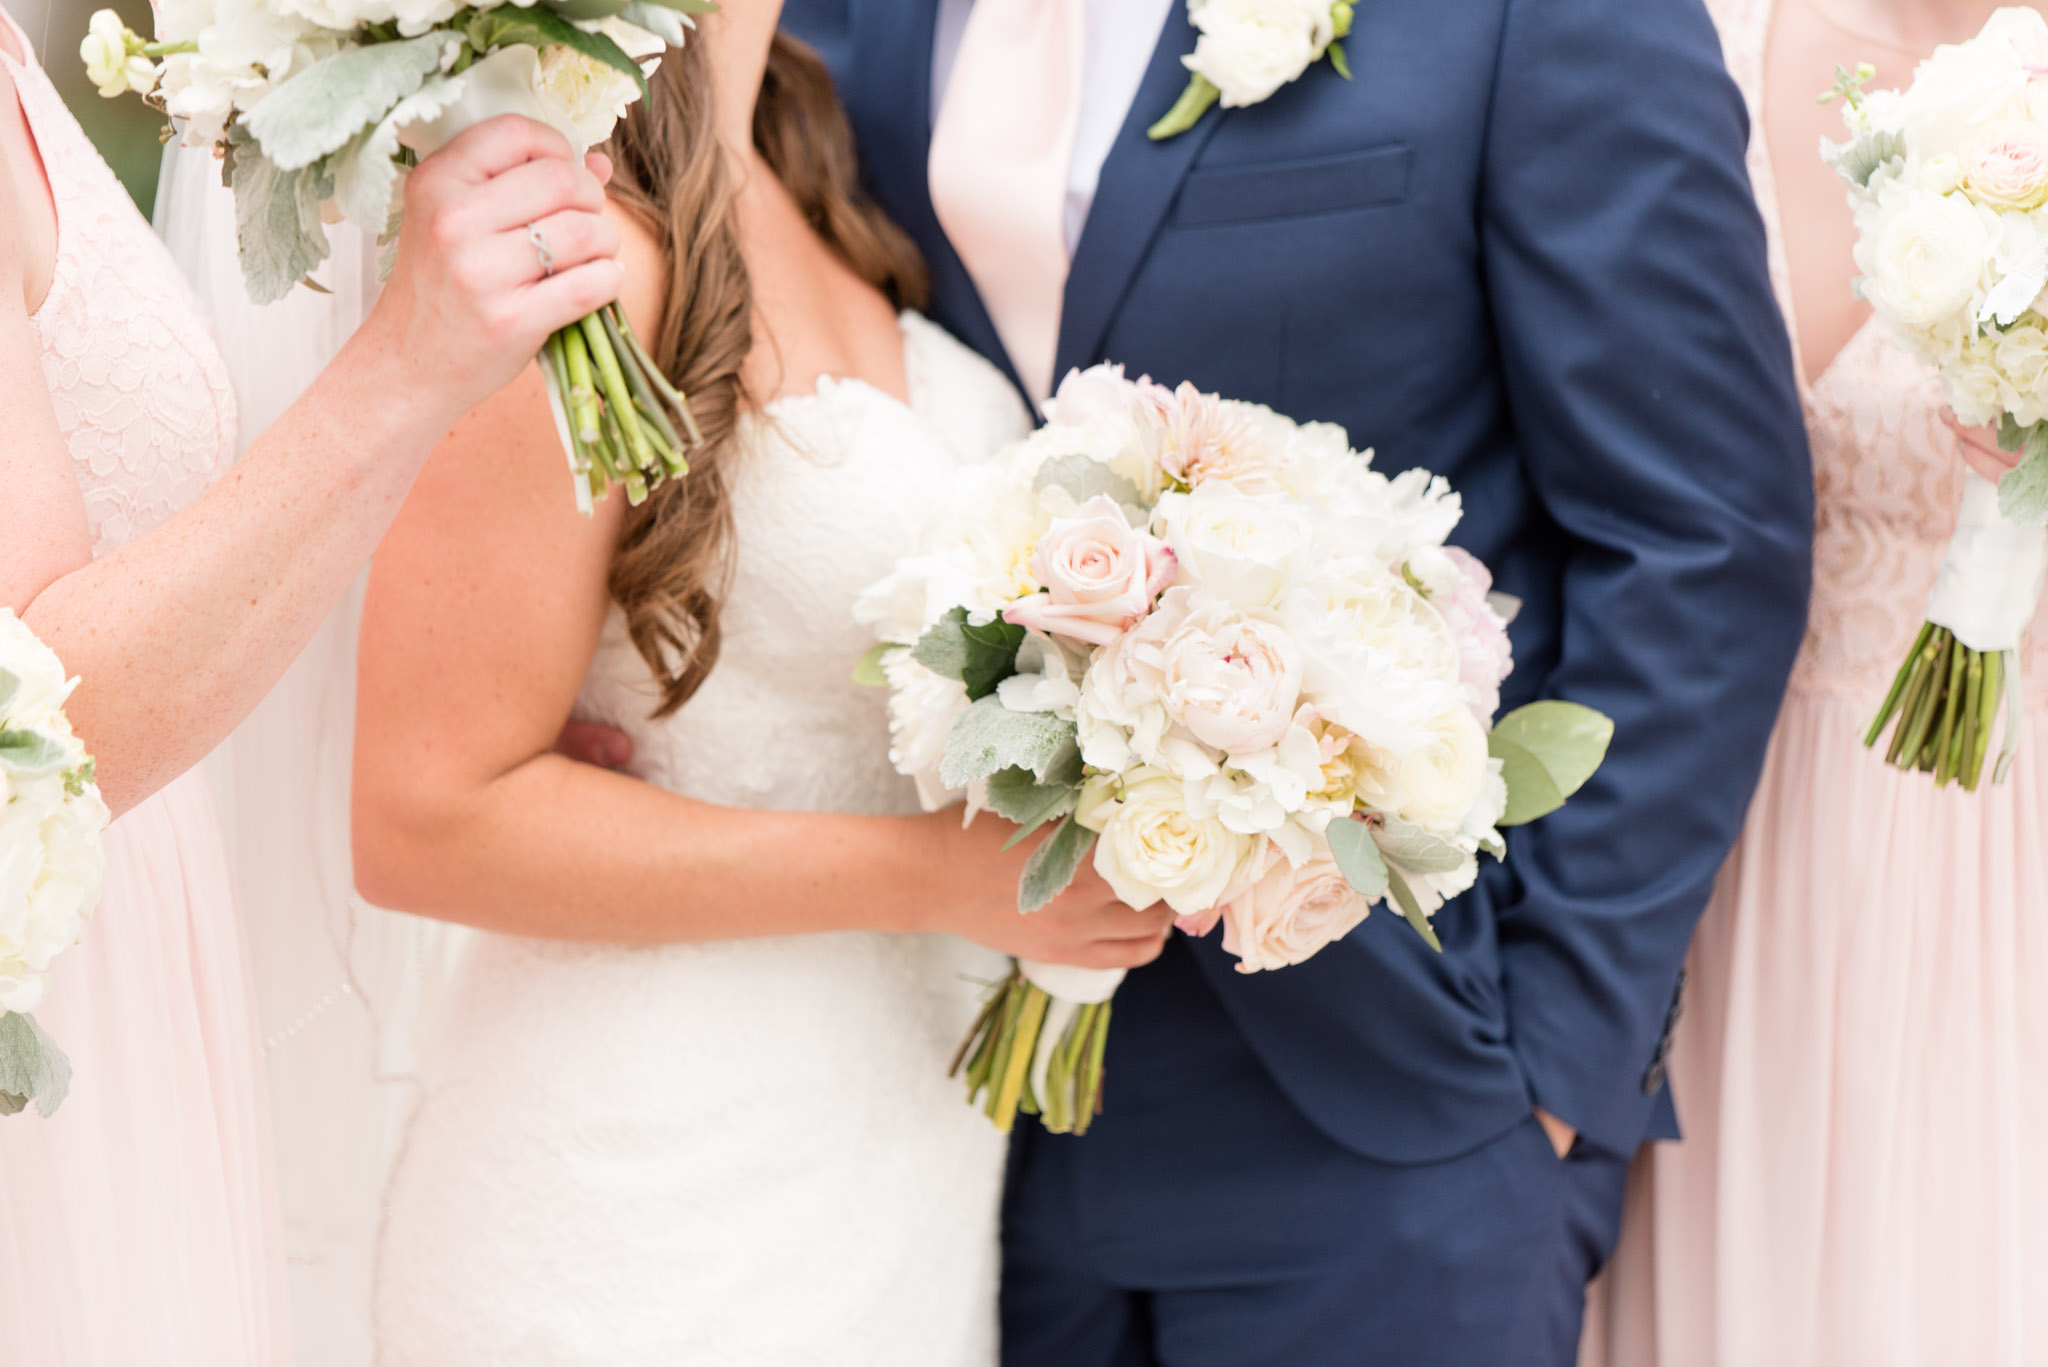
column 1945, row 701
column 1003, row 1043
column 622, row 421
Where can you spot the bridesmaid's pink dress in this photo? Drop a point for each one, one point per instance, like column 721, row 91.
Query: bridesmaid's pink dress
column 137, row 1224
column 1862, row 1067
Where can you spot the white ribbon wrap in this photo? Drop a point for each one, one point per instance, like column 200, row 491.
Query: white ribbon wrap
column 1992, row 577
column 1071, row 989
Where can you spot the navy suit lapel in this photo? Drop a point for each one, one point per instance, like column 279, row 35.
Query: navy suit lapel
column 891, row 72
column 1139, row 181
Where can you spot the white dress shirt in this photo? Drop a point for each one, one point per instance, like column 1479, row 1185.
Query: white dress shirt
column 1118, row 37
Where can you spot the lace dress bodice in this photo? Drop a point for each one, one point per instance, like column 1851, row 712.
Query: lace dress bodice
column 140, row 390
column 1887, row 476
column 741, row 1152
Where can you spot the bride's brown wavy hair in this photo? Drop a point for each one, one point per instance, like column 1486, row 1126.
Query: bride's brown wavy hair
column 673, row 563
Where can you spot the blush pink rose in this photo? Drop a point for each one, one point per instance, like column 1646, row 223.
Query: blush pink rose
column 1485, row 657
column 1290, row 914
column 1100, row 574
column 2009, row 165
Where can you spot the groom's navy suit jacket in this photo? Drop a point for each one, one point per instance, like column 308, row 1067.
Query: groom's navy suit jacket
column 1519, row 248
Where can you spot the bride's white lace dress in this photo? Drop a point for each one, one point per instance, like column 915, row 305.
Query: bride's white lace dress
column 743, row 1152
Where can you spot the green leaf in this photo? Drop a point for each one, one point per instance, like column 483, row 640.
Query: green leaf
column 1547, row 752
column 541, row 28
column 1404, row 897
column 1052, row 865
column 30, row 752
column 10, row 684
column 1083, row 477
column 1416, row 850
column 868, row 671
column 1339, row 61
column 660, row 20
column 979, row 656
column 1017, row 795
column 687, row 6
column 277, row 222
column 1192, row 104
column 1358, row 859
column 989, row 737
column 582, row 11
column 321, row 108
column 32, row 1067
column 2023, row 493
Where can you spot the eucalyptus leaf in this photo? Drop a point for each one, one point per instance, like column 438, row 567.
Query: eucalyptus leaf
column 277, row 223
column 979, row 656
column 1566, row 741
column 1416, row 850
column 1338, row 60
column 867, row 672
column 1052, row 865
column 1017, row 795
column 542, row 29
column 32, row 1067
column 331, row 101
column 1404, row 897
column 1083, row 477
column 30, row 752
column 2023, row 493
column 989, row 737
column 10, row 685
column 1358, row 858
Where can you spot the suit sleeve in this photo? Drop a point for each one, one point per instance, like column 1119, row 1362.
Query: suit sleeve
column 1651, row 388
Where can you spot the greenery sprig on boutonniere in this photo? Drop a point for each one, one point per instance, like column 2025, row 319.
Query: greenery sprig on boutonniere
column 1250, row 48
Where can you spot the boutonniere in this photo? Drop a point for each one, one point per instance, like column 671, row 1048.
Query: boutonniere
column 1249, row 49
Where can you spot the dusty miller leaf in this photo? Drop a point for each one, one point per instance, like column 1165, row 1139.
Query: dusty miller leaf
column 321, row 108
column 989, row 737
column 10, row 684
column 2023, row 493
column 32, row 1067
column 30, row 752
column 1083, row 477
column 1416, row 850
column 1052, row 865
column 277, row 222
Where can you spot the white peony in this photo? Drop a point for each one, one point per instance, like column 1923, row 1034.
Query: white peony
column 1379, row 661
column 1244, row 548
column 1924, row 261
column 1230, row 679
column 1250, row 48
column 1151, row 848
column 922, row 709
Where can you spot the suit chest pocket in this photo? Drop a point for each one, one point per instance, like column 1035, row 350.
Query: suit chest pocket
column 1294, row 189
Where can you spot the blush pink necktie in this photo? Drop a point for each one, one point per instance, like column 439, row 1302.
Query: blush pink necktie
column 1001, row 150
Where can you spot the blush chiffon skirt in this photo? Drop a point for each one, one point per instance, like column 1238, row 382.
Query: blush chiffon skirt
column 138, row 1224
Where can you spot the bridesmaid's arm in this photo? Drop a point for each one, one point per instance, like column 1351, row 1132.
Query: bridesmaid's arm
column 483, row 614
column 177, row 635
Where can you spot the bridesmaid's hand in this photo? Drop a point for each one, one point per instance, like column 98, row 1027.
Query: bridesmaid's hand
column 471, row 300
column 1978, row 447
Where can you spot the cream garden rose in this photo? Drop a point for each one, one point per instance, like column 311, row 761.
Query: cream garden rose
column 1152, row 849
column 1250, row 48
column 1099, row 574
column 2009, row 165
column 1926, row 260
column 1440, row 781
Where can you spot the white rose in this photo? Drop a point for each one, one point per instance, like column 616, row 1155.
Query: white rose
column 1924, row 262
column 1440, row 781
column 1290, row 914
column 1240, row 547
column 1152, row 849
column 1250, row 48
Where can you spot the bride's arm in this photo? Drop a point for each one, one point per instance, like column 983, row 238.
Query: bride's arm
column 484, row 610
column 177, row 635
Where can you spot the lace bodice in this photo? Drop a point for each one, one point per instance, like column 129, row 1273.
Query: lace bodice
column 829, row 489
column 141, row 393
column 1887, row 476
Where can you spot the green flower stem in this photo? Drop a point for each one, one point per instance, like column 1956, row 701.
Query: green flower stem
column 1006, row 1036
column 1194, row 102
column 1951, row 709
column 1023, row 1043
column 629, row 474
column 167, row 49
column 1967, row 763
column 582, row 395
column 677, row 403
column 1899, row 682
column 1091, row 1072
column 1995, row 666
column 644, row 397
column 1916, row 689
column 1933, row 657
column 618, row 398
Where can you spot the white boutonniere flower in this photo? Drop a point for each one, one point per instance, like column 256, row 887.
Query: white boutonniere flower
column 1250, row 48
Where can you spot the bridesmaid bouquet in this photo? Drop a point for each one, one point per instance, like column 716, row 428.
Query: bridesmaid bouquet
column 1218, row 650
column 51, row 818
column 1949, row 183
column 318, row 107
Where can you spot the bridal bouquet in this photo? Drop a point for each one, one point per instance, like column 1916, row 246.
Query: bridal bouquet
column 318, row 107
column 51, row 818
column 1949, row 183
column 1218, row 650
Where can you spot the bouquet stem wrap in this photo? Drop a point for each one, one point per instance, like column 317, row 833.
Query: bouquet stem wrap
column 1963, row 669
column 1038, row 1046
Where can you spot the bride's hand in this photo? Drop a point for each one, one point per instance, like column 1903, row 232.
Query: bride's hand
column 470, row 300
column 1979, row 449
column 974, row 896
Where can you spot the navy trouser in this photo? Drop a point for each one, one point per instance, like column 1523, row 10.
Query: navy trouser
column 1224, row 1230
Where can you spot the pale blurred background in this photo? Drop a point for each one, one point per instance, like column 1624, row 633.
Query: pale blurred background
column 125, row 129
